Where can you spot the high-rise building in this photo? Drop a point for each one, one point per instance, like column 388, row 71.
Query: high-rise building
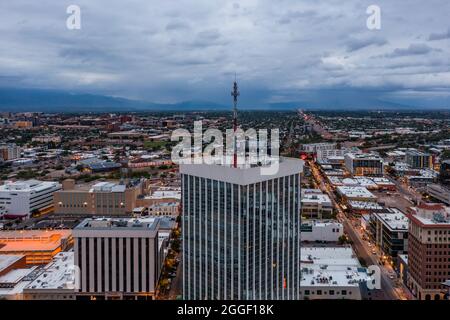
column 419, row 160
column 23, row 198
column 118, row 258
column 241, row 231
column 428, row 250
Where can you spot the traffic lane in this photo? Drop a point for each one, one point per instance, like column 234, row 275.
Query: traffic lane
column 368, row 257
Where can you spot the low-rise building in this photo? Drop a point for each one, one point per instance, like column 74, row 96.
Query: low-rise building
column 439, row 192
column 58, row 280
column 332, row 273
column 21, row 199
column 321, row 231
column 38, row 246
column 46, row 139
column 103, row 198
column 348, row 193
column 164, row 209
column 315, row 204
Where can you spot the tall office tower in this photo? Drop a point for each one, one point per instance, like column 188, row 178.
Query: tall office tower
column 241, row 231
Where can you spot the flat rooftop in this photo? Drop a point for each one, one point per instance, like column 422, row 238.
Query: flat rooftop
column 31, row 240
column 58, row 274
column 27, row 186
column 118, row 224
column 397, row 221
column 365, row 205
column 7, row 260
column 331, row 267
column 244, row 174
column 355, row 192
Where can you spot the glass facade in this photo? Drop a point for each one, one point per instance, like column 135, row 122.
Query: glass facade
column 241, row 241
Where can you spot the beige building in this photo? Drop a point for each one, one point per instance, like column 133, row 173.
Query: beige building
column 104, row 198
column 164, row 209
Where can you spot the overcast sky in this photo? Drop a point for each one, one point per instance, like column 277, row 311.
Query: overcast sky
column 167, row 50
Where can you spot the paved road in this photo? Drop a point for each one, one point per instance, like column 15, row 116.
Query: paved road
column 388, row 292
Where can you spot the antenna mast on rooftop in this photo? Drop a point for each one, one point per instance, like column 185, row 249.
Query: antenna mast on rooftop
column 235, row 94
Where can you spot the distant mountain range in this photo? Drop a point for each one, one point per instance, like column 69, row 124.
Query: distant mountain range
column 21, row 100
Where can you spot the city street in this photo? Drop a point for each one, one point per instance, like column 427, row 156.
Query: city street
column 361, row 248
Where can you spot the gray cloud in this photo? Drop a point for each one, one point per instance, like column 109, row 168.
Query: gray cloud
column 190, row 49
column 355, row 44
column 439, row 36
column 411, row 50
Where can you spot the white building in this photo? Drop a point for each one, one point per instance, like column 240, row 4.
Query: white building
column 57, row 281
column 119, row 258
column 331, row 273
column 22, row 198
column 356, row 194
column 321, row 231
